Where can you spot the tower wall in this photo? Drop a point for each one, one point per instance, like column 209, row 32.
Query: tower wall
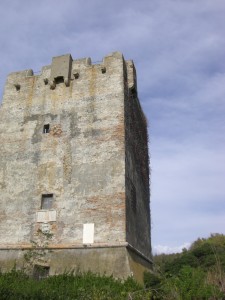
column 63, row 166
column 136, row 168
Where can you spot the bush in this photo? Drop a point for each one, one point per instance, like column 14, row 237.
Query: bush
column 186, row 259
column 197, row 273
column 152, row 281
column 16, row 285
column 189, row 284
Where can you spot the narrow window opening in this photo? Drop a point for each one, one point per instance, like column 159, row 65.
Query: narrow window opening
column 40, row 272
column 103, row 70
column 17, row 86
column 47, row 201
column 46, row 128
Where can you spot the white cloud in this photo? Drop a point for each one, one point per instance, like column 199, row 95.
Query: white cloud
column 159, row 249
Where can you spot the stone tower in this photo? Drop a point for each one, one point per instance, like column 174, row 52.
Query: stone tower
column 74, row 169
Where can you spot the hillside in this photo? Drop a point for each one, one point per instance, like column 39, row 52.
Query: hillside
column 196, row 273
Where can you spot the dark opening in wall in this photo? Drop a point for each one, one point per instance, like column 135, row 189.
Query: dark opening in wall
column 40, row 272
column 103, row 70
column 46, row 128
column 59, row 79
column 76, row 75
column 47, row 201
column 17, row 86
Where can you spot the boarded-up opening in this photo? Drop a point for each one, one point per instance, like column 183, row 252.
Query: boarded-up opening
column 47, row 201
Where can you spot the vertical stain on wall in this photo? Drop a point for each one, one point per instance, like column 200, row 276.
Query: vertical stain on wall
column 67, row 162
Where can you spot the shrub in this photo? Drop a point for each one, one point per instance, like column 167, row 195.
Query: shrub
column 16, row 285
column 189, row 284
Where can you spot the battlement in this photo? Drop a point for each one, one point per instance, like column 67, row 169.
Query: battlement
column 64, row 69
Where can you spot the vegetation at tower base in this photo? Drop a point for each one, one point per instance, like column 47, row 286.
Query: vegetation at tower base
column 86, row 286
column 197, row 273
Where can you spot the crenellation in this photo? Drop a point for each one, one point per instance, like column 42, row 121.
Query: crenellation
column 81, row 63
column 131, row 71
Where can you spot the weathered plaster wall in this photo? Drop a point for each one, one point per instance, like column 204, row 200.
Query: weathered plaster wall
column 95, row 174
column 81, row 160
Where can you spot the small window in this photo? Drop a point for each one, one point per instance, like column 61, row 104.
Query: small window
column 40, row 272
column 103, row 70
column 47, row 201
column 46, row 128
column 17, row 86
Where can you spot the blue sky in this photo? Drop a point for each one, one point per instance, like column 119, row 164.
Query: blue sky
column 178, row 47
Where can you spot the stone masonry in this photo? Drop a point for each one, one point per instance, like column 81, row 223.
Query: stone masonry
column 74, row 169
